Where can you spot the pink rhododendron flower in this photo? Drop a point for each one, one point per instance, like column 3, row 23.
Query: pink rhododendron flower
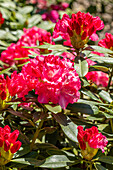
column 98, row 77
column 29, row 38
column 80, row 28
column 90, row 141
column 41, row 4
column 53, row 14
column 68, row 55
column 17, row 84
column 8, row 144
column 9, row 87
column 107, row 42
column 51, row 76
column 14, row 51
column 1, row 19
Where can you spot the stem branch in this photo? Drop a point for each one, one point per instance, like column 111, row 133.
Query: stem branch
column 36, row 134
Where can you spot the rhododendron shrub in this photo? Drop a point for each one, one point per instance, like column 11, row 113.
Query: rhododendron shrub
column 8, row 144
column 52, row 76
column 49, row 92
column 80, row 28
column 90, row 141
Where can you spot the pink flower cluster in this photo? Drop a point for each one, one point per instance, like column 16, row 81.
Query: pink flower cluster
column 41, row 4
column 98, row 77
column 8, row 140
column 107, row 42
column 29, row 38
column 1, row 19
column 80, row 28
column 93, row 137
column 53, row 14
column 53, row 79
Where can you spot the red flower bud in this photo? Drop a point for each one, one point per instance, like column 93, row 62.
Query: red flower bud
column 13, row 136
column 69, row 31
column 7, row 129
column 16, row 146
column 1, row 142
column 3, row 95
column 78, row 28
column 6, row 145
column 84, row 35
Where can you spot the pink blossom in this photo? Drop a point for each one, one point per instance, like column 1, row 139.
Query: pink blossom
column 107, row 42
column 80, row 28
column 90, row 141
column 50, row 76
column 29, row 38
column 8, row 144
column 1, row 19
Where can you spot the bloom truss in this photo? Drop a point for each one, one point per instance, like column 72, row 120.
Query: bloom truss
column 80, row 28
column 54, row 80
column 29, row 38
column 107, row 42
column 8, row 144
column 90, row 141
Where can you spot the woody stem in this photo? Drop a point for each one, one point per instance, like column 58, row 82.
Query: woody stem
column 36, row 134
column 110, row 78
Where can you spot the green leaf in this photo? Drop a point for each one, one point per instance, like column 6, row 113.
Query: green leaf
column 83, row 108
column 28, row 161
column 5, row 70
column 55, row 109
column 85, row 82
column 101, row 49
column 22, row 151
column 9, row 5
column 34, row 20
column 68, row 127
column 100, row 167
column 107, row 60
column 26, row 9
column 57, row 161
column 91, row 102
column 106, row 96
column 100, row 68
column 106, row 159
column 81, row 68
column 45, row 25
column 90, row 94
column 60, row 152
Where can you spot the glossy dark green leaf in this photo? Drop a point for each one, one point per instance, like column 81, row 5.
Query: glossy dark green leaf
column 68, row 127
column 83, row 108
column 100, row 167
column 28, row 161
column 106, row 159
column 22, row 151
column 57, row 161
